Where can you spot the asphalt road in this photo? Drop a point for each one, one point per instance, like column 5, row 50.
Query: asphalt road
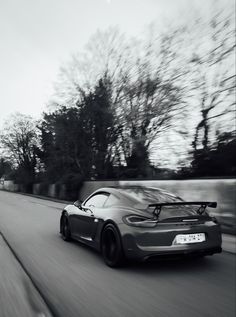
column 75, row 281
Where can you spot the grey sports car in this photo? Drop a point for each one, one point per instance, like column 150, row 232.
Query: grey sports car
column 136, row 222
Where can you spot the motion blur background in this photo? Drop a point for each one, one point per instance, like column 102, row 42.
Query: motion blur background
column 105, row 92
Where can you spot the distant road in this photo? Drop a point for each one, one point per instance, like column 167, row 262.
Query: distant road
column 77, row 283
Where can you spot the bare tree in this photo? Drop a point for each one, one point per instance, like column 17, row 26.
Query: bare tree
column 213, row 73
column 151, row 100
column 18, row 140
column 145, row 79
column 105, row 56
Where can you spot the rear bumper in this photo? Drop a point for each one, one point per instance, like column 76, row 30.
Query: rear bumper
column 182, row 253
column 142, row 243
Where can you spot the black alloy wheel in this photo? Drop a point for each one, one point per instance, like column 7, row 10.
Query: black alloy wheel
column 111, row 247
column 65, row 229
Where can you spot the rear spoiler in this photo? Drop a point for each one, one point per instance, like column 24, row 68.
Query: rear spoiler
column 202, row 204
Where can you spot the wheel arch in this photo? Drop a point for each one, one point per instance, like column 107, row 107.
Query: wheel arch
column 107, row 222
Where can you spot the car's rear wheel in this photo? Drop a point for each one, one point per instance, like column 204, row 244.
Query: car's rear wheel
column 111, row 246
column 65, row 229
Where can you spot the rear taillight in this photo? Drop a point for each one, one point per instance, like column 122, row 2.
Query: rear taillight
column 139, row 221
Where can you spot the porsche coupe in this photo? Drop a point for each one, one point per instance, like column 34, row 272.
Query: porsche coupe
column 137, row 222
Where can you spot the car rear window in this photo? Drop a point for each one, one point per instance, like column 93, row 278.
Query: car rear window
column 147, row 196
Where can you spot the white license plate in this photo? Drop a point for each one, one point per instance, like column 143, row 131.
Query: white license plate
column 189, row 238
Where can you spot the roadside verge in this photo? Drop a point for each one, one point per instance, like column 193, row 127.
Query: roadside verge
column 19, row 296
column 229, row 243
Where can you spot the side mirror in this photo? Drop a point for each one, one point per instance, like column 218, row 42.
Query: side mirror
column 78, row 203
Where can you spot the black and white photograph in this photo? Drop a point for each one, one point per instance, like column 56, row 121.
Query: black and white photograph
column 117, row 158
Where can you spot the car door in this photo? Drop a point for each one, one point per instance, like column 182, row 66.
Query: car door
column 88, row 221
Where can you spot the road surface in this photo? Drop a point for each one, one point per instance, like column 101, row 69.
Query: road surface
column 75, row 281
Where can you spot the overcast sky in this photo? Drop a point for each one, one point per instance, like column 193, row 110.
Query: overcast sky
column 37, row 36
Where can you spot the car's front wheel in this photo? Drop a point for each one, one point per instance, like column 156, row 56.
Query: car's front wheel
column 65, row 229
column 111, row 246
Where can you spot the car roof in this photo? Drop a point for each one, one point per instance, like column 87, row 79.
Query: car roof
column 120, row 190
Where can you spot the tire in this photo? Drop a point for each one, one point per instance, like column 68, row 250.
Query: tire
column 65, row 229
column 111, row 246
